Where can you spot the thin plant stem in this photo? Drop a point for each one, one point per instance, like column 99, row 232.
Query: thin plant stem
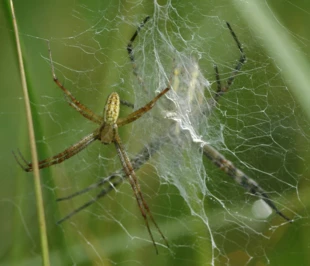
column 37, row 182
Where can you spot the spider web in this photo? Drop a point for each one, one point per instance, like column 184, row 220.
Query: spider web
column 207, row 217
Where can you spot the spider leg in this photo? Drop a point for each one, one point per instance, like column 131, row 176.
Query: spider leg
column 133, row 180
column 218, row 79
column 222, row 89
column 126, row 103
column 21, row 161
column 73, row 102
column 102, row 193
column 60, row 157
column 241, row 178
column 135, row 115
column 102, row 182
column 131, row 53
column 242, row 58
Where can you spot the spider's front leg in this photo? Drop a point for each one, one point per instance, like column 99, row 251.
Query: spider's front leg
column 73, row 102
column 137, row 114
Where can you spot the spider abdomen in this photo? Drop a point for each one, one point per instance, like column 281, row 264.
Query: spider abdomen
column 111, row 109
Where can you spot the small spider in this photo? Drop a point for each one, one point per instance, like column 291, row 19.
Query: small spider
column 106, row 133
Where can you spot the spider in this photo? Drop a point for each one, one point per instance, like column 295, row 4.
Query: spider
column 106, row 133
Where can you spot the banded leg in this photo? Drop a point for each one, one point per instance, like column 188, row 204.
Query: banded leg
column 73, row 102
column 222, row 89
column 133, row 180
column 60, row 157
column 102, row 193
column 131, row 52
column 241, row 178
column 135, row 115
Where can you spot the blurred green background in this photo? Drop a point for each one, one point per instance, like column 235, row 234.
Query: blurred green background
column 88, row 40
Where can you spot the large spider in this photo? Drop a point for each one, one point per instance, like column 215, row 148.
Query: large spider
column 108, row 133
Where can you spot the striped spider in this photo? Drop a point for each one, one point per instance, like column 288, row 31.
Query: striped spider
column 106, row 133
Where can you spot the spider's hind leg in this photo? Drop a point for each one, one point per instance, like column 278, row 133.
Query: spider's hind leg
column 131, row 51
column 22, row 162
column 223, row 89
